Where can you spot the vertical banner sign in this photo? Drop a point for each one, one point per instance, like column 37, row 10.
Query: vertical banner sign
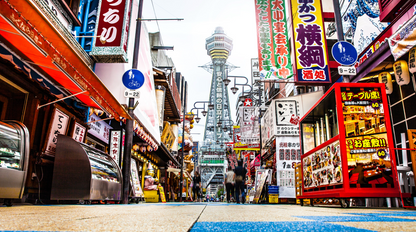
column 310, row 43
column 112, row 29
column 116, row 145
column 79, row 133
column 58, row 126
column 273, row 40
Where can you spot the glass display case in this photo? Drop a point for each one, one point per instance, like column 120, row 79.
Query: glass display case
column 14, row 157
column 347, row 144
column 84, row 173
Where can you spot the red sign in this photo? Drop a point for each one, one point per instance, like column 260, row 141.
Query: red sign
column 110, row 23
column 248, row 102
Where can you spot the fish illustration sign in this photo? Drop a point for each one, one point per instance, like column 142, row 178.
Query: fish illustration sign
column 133, row 79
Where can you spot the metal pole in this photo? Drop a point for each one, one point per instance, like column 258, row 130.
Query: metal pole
column 339, row 28
column 128, row 143
column 183, row 139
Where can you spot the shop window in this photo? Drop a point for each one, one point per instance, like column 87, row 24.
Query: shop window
column 320, row 124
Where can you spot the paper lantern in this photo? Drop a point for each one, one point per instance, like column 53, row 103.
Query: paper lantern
column 385, row 78
column 412, row 60
column 401, row 72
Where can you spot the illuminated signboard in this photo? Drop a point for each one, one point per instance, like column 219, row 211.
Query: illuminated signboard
column 310, row 44
column 368, row 154
column 273, row 40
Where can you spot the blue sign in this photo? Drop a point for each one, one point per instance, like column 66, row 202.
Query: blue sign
column 133, row 79
column 344, row 53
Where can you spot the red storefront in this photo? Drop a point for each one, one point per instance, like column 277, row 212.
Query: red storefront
column 347, row 145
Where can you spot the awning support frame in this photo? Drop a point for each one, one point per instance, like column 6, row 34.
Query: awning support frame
column 73, row 95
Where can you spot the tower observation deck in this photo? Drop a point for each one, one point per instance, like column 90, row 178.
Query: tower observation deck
column 213, row 155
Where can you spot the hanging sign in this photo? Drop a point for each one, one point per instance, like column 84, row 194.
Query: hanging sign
column 99, row 128
column 403, row 39
column 310, row 42
column 58, row 126
column 385, row 78
column 112, row 29
column 412, row 60
column 273, row 40
column 116, row 145
column 78, row 134
column 401, row 72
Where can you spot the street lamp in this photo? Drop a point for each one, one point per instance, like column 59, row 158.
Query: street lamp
column 204, row 112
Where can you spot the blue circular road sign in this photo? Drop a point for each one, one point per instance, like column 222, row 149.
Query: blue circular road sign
column 133, row 79
column 344, row 53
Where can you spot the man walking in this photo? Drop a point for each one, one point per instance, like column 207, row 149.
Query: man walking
column 240, row 177
column 229, row 183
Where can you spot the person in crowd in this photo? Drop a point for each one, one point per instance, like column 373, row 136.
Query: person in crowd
column 229, row 183
column 196, row 188
column 240, row 176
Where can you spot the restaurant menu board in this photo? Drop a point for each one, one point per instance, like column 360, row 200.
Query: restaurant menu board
column 363, row 111
column 368, row 154
column 137, row 189
column 323, row 167
column 288, row 155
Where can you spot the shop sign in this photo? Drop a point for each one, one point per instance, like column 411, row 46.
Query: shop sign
column 247, row 160
column 239, row 144
column 411, row 135
column 412, row 60
column 99, row 129
column 403, row 39
column 113, row 27
column 401, row 72
column 78, row 134
column 287, row 156
column 116, row 145
column 135, row 180
column 262, row 176
column 287, row 117
column 310, row 43
column 249, row 125
column 255, row 69
column 385, row 78
column 58, row 126
column 273, row 40
column 57, row 10
column 323, row 167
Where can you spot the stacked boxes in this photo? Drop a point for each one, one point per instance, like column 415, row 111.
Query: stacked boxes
column 273, row 194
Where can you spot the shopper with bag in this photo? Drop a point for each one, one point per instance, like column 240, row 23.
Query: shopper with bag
column 229, row 183
column 196, row 188
column 240, row 176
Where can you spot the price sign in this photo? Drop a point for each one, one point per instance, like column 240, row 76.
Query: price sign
column 131, row 93
column 347, row 71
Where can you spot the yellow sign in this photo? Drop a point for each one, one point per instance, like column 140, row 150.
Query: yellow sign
column 310, row 42
column 161, row 193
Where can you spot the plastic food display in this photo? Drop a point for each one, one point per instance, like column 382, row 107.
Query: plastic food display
column 84, row 173
column 346, row 144
column 14, row 157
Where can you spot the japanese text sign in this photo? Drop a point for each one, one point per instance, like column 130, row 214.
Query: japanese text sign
column 273, row 40
column 99, row 128
column 116, row 145
column 79, row 133
column 58, row 126
column 310, row 44
column 112, row 28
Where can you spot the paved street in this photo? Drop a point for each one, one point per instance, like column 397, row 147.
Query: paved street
column 203, row 217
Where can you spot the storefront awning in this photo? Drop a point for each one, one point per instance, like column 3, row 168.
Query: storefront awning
column 26, row 30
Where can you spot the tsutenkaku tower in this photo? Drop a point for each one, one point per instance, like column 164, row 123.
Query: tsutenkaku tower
column 219, row 47
column 213, row 151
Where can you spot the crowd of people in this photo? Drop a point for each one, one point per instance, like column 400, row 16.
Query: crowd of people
column 234, row 184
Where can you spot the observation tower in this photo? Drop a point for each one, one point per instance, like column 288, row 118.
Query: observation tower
column 218, row 126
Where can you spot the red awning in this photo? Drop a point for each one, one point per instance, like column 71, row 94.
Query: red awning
column 27, row 30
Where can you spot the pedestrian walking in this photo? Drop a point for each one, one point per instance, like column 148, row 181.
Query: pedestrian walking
column 196, row 188
column 229, row 183
column 240, row 176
